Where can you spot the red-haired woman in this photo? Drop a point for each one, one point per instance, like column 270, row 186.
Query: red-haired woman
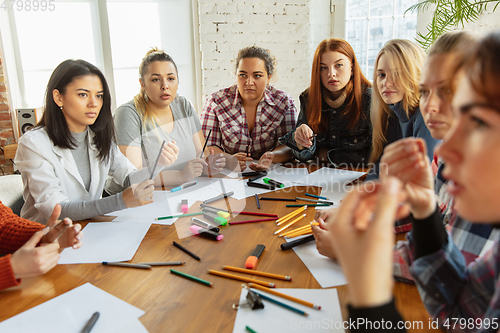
column 334, row 121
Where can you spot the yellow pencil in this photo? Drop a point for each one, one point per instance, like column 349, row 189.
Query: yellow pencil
column 300, row 233
column 291, row 298
column 241, row 278
column 289, row 224
column 291, row 215
column 308, row 226
column 251, row 271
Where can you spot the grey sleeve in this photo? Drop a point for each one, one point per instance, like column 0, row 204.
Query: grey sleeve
column 190, row 112
column 127, row 123
column 82, row 210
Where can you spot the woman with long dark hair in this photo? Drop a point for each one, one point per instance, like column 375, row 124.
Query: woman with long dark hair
column 67, row 157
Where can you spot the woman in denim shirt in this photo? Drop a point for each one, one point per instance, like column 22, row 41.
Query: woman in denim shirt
column 334, row 121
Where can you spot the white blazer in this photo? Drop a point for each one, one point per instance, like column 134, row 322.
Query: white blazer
column 50, row 174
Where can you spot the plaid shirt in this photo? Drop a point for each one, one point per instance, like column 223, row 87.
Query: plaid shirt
column 223, row 113
column 472, row 240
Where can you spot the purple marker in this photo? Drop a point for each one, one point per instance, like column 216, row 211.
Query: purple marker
column 205, row 233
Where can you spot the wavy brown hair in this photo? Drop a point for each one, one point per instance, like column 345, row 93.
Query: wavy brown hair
column 354, row 88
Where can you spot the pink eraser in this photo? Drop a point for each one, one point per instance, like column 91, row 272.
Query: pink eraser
column 184, row 206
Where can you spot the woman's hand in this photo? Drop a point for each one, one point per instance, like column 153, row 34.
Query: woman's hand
column 168, row 155
column 363, row 239
column 303, row 135
column 407, row 160
column 193, row 169
column 139, row 194
column 324, row 242
column 264, row 163
column 215, row 163
column 238, row 162
column 30, row 260
column 67, row 234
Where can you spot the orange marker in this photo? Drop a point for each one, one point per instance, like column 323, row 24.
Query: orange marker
column 251, row 261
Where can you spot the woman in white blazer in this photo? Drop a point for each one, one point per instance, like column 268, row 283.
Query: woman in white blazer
column 67, row 157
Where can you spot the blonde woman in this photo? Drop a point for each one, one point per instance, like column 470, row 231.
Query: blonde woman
column 395, row 109
column 158, row 113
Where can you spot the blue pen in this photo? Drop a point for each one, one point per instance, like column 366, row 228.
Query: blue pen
column 316, row 196
column 183, row 186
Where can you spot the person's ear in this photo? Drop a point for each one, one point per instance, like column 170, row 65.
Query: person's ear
column 56, row 95
column 269, row 78
column 143, row 86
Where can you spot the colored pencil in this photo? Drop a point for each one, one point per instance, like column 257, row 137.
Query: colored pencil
column 286, row 306
column 297, row 212
column 251, row 271
column 250, row 330
column 182, row 248
column 257, row 200
column 205, row 145
column 192, row 278
column 252, row 213
column 290, row 298
column 289, row 224
column 180, row 215
column 292, row 214
column 164, row 263
column 314, row 200
column 315, row 196
column 157, row 159
column 278, row 199
column 124, row 264
column 252, row 221
column 241, row 278
column 306, row 227
column 300, row 233
column 310, row 205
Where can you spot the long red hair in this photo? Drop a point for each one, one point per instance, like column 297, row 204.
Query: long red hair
column 354, row 87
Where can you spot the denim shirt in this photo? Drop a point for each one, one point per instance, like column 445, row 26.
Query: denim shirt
column 345, row 146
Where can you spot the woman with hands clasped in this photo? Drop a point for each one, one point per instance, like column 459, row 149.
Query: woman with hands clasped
column 247, row 118
column 471, row 153
column 158, row 113
column 69, row 154
column 334, row 120
column 32, row 249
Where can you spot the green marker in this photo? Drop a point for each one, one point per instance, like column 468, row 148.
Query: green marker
column 180, row 215
column 273, row 182
column 313, row 205
column 190, row 277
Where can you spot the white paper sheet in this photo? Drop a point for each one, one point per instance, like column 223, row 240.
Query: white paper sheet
column 166, row 203
column 70, row 312
column 106, row 241
column 328, row 178
column 276, row 319
column 326, row 271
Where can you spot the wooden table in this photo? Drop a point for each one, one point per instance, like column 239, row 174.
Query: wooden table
column 174, row 304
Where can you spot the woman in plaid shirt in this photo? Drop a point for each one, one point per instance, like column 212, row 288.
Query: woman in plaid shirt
column 247, row 118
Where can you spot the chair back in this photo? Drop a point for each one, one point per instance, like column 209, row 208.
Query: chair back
column 11, row 192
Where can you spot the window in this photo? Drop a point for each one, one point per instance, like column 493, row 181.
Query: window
column 369, row 24
column 114, row 35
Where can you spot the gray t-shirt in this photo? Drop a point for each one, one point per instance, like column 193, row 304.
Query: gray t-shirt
column 130, row 132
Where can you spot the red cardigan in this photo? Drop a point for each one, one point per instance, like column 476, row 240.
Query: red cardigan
column 14, row 233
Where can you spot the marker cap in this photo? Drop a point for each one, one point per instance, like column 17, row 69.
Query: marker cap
column 252, row 260
column 205, row 233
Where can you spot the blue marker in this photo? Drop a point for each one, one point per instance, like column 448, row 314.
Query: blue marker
column 183, row 186
column 316, row 196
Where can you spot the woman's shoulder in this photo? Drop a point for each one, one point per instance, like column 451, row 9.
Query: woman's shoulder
column 37, row 134
column 224, row 94
column 183, row 105
column 126, row 108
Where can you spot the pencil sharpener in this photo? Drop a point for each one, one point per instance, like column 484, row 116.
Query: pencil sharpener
column 253, row 301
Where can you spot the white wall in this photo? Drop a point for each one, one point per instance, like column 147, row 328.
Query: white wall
column 290, row 29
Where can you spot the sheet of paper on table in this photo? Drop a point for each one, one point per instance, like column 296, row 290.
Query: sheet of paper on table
column 107, row 241
column 166, row 203
column 276, row 319
column 326, row 271
column 70, row 312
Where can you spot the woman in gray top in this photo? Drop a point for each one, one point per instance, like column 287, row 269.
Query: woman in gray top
column 157, row 113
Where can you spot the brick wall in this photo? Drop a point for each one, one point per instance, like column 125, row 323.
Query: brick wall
column 6, row 126
column 290, row 29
